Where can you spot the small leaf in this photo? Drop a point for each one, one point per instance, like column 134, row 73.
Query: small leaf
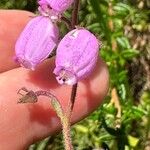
column 123, row 42
column 81, row 128
column 122, row 9
column 129, row 53
column 133, row 141
column 138, row 112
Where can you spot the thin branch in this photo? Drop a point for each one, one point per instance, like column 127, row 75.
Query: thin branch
column 67, row 22
column 74, row 20
column 73, row 94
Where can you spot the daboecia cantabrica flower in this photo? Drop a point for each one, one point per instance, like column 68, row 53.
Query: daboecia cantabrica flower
column 76, row 56
column 36, row 42
column 53, row 8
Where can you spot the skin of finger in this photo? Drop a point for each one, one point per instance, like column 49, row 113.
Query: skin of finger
column 11, row 24
column 22, row 124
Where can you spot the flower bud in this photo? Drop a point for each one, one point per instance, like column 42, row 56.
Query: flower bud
column 76, row 56
column 54, row 7
column 36, row 42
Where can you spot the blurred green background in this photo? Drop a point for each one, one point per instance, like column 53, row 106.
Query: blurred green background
column 122, row 122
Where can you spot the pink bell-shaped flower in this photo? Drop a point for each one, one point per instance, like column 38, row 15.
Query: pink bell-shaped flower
column 76, row 56
column 53, row 8
column 36, row 42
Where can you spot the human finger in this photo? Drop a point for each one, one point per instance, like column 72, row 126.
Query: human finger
column 21, row 124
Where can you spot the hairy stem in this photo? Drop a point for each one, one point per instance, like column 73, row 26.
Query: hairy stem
column 66, row 133
column 65, row 116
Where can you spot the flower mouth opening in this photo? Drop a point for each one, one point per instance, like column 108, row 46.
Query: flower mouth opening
column 63, row 78
column 47, row 11
column 66, row 77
